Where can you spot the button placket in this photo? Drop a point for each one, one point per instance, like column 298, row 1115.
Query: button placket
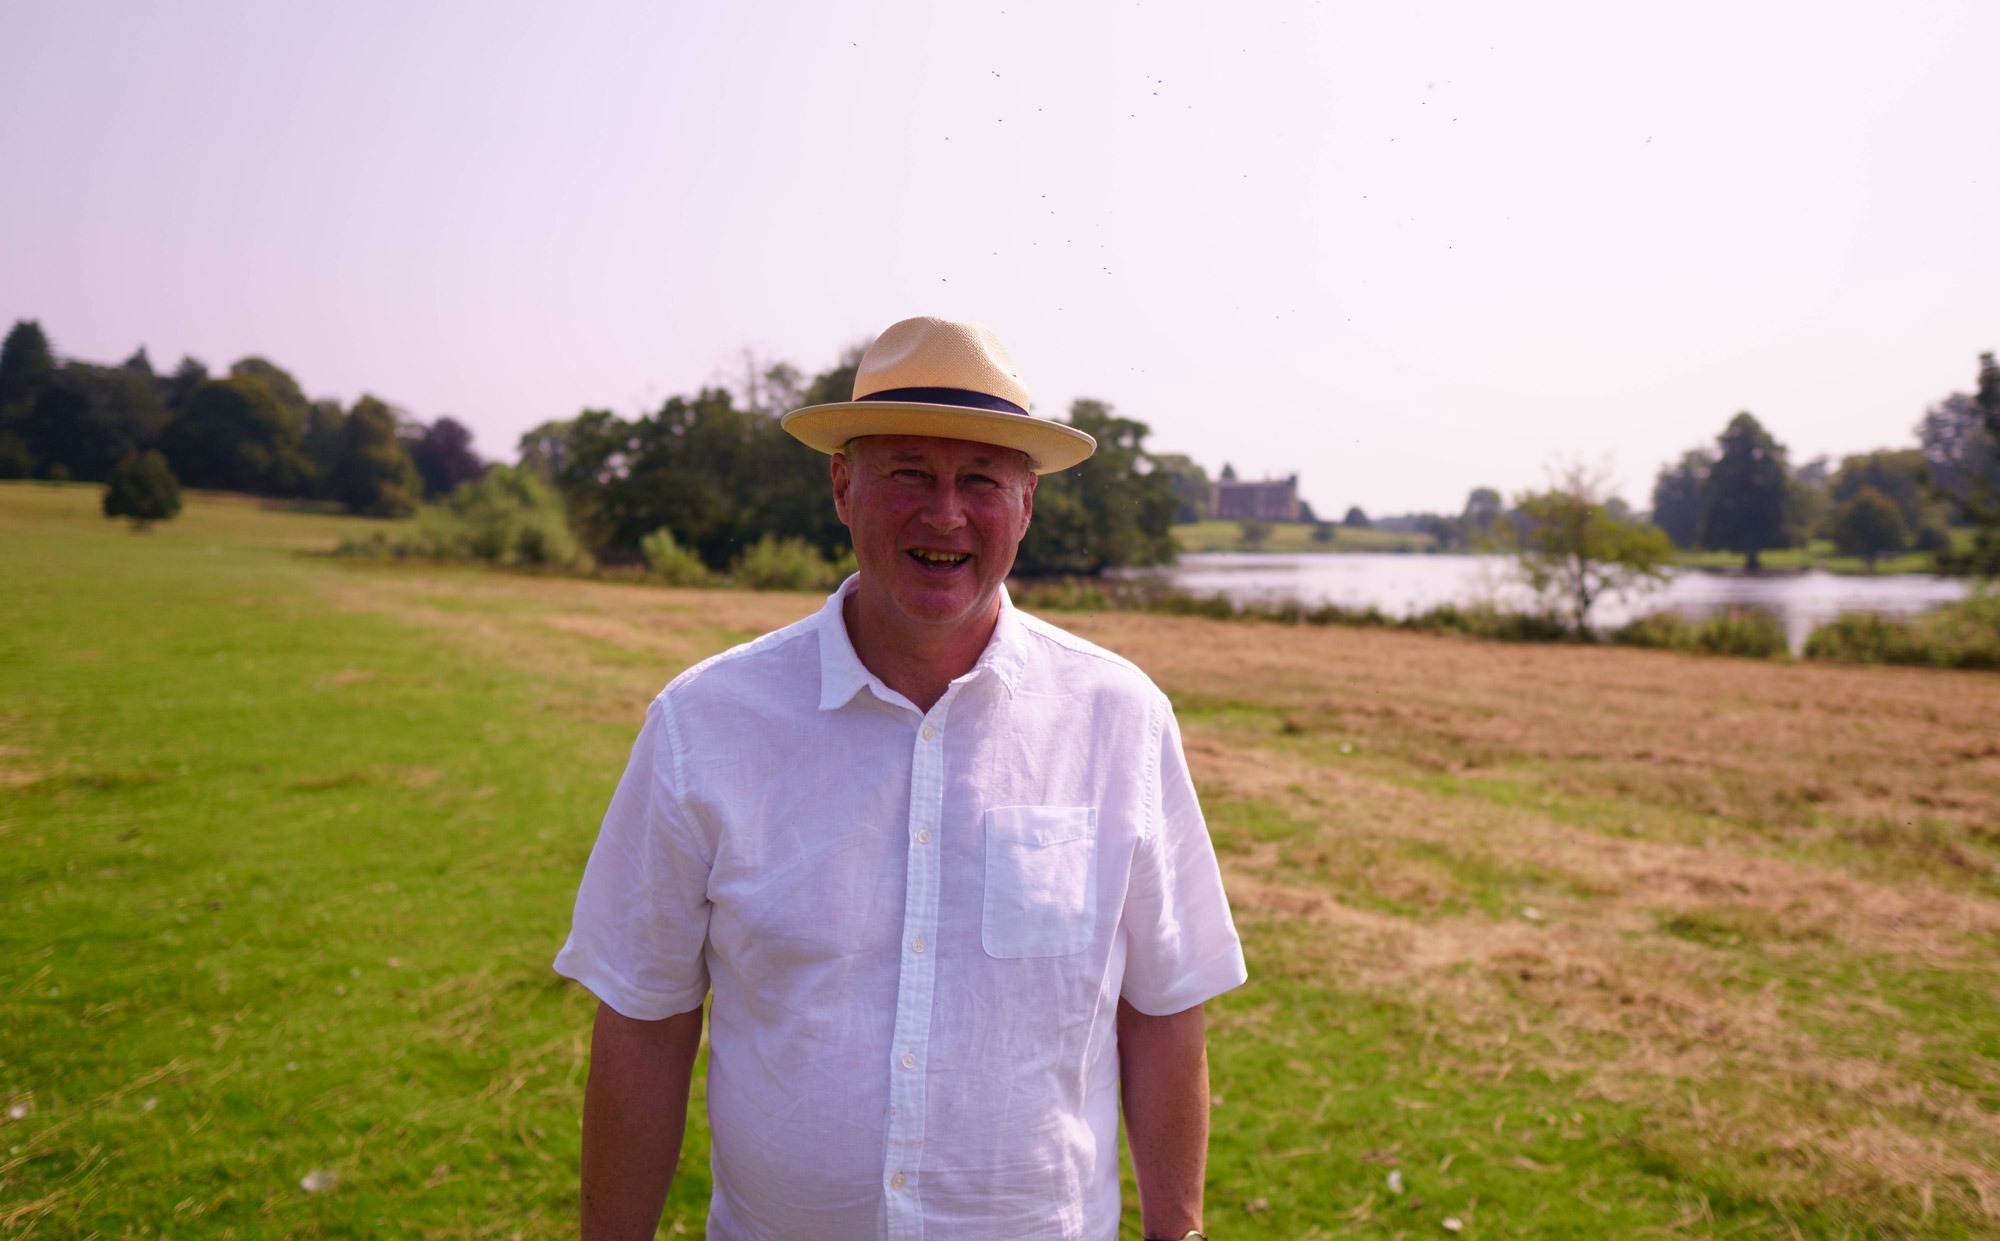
column 916, row 983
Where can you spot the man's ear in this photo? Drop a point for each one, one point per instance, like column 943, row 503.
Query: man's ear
column 843, row 478
column 1028, row 500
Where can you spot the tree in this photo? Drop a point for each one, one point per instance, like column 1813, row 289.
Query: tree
column 1190, row 484
column 1961, row 458
column 1963, row 452
column 372, row 474
column 1811, row 490
column 235, row 435
column 444, row 457
column 1571, row 550
column 1483, row 507
column 319, row 442
column 27, row 365
column 89, row 418
column 1114, row 509
column 143, row 490
column 178, row 388
column 1746, row 499
column 1900, row 476
column 1867, row 524
column 1678, row 495
column 1356, row 519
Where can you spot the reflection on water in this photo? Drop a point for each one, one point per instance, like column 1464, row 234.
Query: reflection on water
column 1403, row 585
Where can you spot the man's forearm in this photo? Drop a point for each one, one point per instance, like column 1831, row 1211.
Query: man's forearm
column 634, row 1115
column 1163, row 1080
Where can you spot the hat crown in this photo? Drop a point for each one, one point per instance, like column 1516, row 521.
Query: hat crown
column 928, row 352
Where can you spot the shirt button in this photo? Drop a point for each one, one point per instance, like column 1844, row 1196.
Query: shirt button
column 909, row 1060
column 897, row 1181
column 929, row 732
column 923, row 835
column 917, row 947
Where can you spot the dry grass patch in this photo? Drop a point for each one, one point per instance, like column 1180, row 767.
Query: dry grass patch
column 1755, row 900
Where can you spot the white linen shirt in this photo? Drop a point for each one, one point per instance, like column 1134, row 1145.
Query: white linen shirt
column 917, row 926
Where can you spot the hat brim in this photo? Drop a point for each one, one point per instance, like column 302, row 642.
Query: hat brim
column 1051, row 446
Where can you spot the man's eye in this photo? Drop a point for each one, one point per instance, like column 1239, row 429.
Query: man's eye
column 980, row 481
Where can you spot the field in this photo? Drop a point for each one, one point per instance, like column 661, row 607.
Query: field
column 1294, row 536
column 1574, row 941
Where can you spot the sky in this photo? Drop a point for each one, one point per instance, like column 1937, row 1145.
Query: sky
column 1400, row 250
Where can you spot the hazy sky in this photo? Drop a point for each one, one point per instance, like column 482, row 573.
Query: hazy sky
column 1403, row 250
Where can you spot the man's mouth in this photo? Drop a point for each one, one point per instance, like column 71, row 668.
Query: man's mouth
column 936, row 559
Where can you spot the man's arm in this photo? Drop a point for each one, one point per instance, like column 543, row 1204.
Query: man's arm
column 1163, row 1079
column 634, row 1115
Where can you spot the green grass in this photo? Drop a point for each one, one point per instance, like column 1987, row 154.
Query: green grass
column 286, row 845
column 281, row 886
column 1819, row 554
column 1294, row 536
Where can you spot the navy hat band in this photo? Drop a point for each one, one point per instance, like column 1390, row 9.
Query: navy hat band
column 963, row 397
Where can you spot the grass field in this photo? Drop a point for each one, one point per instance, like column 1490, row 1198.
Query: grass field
column 1575, row 941
column 1294, row 536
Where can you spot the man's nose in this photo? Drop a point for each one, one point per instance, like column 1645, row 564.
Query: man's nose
column 944, row 510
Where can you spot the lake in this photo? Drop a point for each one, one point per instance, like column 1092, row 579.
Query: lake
column 1405, row 584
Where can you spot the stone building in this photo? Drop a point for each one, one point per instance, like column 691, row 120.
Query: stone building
column 1270, row 499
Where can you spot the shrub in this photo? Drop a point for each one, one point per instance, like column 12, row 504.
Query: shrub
column 672, row 563
column 1748, row 632
column 142, row 489
column 788, row 564
column 1958, row 635
column 507, row 517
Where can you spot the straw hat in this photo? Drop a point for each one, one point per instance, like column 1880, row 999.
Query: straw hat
column 929, row 376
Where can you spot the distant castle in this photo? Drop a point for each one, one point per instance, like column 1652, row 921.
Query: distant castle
column 1271, row 499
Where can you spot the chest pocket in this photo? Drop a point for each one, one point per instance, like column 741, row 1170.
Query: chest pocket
column 1041, row 880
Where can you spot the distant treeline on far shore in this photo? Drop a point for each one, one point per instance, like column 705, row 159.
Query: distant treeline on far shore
column 712, row 475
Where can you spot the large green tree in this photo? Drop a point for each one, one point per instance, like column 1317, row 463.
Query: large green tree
column 1746, row 499
column 1678, row 495
column 27, row 365
column 1868, row 523
column 88, row 418
column 235, row 435
column 1965, row 465
column 372, row 474
column 1901, row 477
column 443, row 455
column 1115, row 509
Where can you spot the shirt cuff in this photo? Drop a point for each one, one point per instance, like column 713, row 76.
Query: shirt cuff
column 1225, row 973
column 628, row 1000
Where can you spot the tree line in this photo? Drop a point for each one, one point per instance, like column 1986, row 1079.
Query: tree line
column 717, row 472
column 251, row 430
column 1742, row 495
column 714, row 475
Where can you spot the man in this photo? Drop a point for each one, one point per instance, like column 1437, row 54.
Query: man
column 940, row 863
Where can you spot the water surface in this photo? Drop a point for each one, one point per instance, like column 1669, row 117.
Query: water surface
column 1402, row 585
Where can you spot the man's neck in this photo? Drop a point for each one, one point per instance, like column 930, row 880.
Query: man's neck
column 917, row 661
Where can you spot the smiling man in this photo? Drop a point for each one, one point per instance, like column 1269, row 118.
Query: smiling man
column 939, row 864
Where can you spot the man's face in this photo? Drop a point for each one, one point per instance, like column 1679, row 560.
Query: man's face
column 935, row 523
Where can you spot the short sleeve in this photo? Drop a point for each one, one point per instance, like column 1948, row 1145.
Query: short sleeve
column 1182, row 947
column 638, row 936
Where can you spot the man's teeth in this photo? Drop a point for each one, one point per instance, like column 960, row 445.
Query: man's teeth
column 939, row 557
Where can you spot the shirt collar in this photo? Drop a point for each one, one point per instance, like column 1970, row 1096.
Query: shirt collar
column 842, row 675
